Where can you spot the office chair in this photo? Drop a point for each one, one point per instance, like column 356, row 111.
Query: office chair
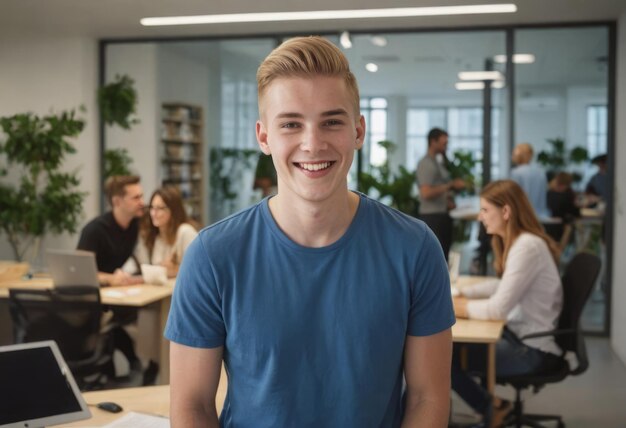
column 578, row 281
column 71, row 316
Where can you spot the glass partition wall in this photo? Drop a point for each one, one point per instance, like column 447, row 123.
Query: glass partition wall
column 556, row 87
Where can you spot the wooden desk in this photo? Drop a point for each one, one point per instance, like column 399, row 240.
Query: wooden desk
column 479, row 331
column 153, row 400
column 153, row 302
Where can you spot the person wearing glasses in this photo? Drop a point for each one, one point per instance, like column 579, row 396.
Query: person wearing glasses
column 166, row 231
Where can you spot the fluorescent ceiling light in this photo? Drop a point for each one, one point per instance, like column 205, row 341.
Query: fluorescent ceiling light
column 469, row 86
column 371, row 67
column 380, row 41
column 345, row 41
column 400, row 12
column 517, row 58
column 480, row 75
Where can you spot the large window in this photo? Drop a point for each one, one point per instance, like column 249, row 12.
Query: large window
column 375, row 112
column 463, row 124
column 596, row 130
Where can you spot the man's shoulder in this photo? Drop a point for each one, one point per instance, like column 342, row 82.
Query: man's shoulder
column 99, row 222
column 235, row 225
column 390, row 220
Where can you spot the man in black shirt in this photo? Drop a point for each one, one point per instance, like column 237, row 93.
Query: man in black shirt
column 113, row 235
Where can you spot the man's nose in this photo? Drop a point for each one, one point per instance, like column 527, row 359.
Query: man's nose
column 313, row 141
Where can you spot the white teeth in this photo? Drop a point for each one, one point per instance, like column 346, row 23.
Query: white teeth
column 314, row 166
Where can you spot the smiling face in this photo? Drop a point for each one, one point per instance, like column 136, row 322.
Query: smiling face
column 159, row 212
column 310, row 128
column 493, row 217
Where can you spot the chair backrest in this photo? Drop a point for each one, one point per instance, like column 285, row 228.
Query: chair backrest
column 578, row 281
column 70, row 316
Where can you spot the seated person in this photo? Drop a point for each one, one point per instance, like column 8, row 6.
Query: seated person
column 112, row 236
column 166, row 231
column 528, row 295
column 561, row 203
column 596, row 187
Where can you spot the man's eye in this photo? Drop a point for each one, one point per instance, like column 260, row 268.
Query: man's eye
column 290, row 125
column 333, row 122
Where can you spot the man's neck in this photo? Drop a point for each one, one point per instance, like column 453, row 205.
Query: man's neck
column 432, row 152
column 122, row 220
column 313, row 224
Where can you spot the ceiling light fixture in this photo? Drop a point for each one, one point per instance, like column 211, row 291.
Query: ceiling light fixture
column 400, row 12
column 470, row 86
column 345, row 41
column 371, row 67
column 517, row 59
column 480, row 75
column 380, row 41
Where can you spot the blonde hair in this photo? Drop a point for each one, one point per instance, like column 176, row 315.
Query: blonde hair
column 522, row 218
column 307, row 57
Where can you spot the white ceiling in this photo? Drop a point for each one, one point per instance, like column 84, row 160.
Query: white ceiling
column 120, row 18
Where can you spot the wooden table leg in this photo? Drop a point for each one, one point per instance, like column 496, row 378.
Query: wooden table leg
column 151, row 343
column 491, row 368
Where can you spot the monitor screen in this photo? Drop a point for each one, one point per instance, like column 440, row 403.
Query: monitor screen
column 36, row 388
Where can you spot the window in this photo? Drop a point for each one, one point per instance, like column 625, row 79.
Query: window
column 463, row 124
column 239, row 113
column 375, row 112
column 596, row 129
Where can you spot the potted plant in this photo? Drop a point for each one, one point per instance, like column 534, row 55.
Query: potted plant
column 557, row 158
column 37, row 198
column 397, row 189
column 118, row 105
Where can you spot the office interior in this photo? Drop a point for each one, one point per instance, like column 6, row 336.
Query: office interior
column 55, row 56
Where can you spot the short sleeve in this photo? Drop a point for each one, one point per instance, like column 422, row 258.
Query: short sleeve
column 426, row 173
column 431, row 308
column 195, row 317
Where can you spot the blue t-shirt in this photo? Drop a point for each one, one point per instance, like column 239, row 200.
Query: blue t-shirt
column 313, row 337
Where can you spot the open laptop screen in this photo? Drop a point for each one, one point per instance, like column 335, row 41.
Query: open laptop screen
column 37, row 388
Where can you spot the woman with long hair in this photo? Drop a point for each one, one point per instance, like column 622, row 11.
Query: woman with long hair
column 527, row 294
column 166, row 231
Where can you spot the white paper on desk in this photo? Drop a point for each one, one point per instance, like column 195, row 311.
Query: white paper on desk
column 139, row 420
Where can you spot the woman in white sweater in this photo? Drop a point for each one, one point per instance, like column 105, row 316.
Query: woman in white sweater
column 527, row 294
column 166, row 231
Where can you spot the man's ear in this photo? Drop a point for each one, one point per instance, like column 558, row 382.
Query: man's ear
column 115, row 201
column 261, row 137
column 360, row 132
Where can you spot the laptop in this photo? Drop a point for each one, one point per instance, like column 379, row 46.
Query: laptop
column 37, row 387
column 72, row 267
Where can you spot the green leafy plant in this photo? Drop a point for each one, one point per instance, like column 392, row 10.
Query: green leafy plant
column 118, row 102
column 558, row 159
column 462, row 166
column 41, row 199
column 397, row 189
column 117, row 162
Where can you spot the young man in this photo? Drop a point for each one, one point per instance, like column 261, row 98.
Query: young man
column 436, row 189
column 320, row 301
column 113, row 235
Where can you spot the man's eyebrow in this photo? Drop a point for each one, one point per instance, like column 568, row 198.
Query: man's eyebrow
column 336, row 112
column 289, row 115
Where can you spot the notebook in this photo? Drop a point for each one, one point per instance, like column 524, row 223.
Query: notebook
column 41, row 388
column 73, row 267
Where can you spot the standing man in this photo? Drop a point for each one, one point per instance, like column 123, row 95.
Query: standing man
column 113, row 235
column 436, row 189
column 318, row 300
column 532, row 178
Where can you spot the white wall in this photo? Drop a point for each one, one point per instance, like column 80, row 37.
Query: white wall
column 618, row 311
column 45, row 74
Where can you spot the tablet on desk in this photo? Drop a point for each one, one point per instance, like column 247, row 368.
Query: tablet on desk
column 37, row 387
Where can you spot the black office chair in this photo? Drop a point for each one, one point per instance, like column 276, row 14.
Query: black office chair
column 71, row 316
column 578, row 281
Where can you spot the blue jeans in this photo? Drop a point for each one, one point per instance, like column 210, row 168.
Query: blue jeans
column 512, row 358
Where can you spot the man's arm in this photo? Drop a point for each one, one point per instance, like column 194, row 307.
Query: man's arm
column 194, row 378
column 428, row 191
column 427, row 365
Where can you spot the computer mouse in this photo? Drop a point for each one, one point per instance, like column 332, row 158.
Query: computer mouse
column 109, row 406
